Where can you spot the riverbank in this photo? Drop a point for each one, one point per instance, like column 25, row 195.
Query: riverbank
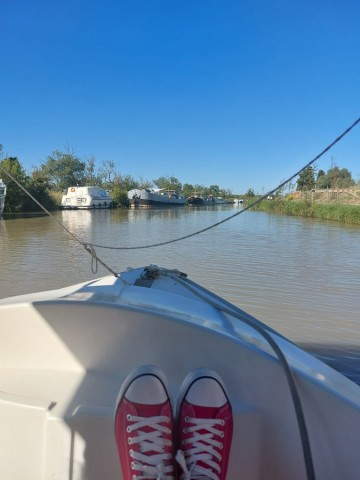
column 339, row 212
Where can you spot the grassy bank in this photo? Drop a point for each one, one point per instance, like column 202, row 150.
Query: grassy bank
column 337, row 212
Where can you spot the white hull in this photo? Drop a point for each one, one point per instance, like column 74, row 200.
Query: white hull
column 208, row 201
column 149, row 197
column 64, row 355
column 2, row 196
column 86, row 198
column 222, row 201
column 2, row 203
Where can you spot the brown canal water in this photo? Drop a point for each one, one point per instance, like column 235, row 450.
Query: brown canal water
column 299, row 276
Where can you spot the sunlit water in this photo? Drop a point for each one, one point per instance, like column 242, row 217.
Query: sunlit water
column 299, row 276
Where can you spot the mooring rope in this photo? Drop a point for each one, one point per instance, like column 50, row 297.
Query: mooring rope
column 230, row 309
column 88, row 247
column 198, row 232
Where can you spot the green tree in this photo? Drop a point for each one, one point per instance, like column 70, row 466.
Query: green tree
column 188, row 189
column 64, row 169
column 15, row 196
column 214, row 190
column 39, row 188
column 119, row 195
column 336, row 178
column 169, row 183
column 120, row 188
column 306, row 180
column 127, row 183
column 142, row 183
column 108, row 172
column 90, row 175
column 320, row 174
column 201, row 189
column 226, row 192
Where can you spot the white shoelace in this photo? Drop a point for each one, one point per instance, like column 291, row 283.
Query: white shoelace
column 199, row 461
column 154, row 466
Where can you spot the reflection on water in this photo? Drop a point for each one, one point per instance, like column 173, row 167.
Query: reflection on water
column 299, row 276
column 79, row 221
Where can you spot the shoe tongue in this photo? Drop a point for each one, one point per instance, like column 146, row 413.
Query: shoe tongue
column 205, row 412
column 151, row 410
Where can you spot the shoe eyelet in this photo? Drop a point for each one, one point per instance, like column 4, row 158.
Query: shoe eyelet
column 221, row 446
column 128, row 429
column 222, row 422
column 185, row 430
column 132, row 466
column 222, row 434
column 186, row 419
column 128, row 417
column 130, row 440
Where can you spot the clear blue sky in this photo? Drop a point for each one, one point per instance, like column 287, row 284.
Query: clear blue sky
column 236, row 93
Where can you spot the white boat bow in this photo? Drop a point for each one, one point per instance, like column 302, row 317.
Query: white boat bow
column 65, row 353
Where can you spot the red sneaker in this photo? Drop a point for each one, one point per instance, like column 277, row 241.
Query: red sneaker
column 144, row 426
column 205, row 427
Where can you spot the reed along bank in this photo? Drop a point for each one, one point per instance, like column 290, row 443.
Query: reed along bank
column 338, row 212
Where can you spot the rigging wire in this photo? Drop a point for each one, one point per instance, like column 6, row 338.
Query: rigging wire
column 86, row 246
column 198, row 232
column 90, row 247
column 230, row 309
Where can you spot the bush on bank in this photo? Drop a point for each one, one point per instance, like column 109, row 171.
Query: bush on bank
column 336, row 212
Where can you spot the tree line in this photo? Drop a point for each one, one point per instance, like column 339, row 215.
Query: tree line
column 64, row 169
column 335, row 178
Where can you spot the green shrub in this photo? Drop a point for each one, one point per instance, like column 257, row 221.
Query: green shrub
column 340, row 213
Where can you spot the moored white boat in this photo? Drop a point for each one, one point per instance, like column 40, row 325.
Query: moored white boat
column 148, row 197
column 86, row 197
column 211, row 200
column 222, row 201
column 64, row 355
column 2, row 196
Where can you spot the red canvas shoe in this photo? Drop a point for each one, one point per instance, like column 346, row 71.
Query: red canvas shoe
column 144, row 427
column 205, row 427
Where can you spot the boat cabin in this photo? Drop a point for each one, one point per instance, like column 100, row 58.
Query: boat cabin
column 81, row 197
